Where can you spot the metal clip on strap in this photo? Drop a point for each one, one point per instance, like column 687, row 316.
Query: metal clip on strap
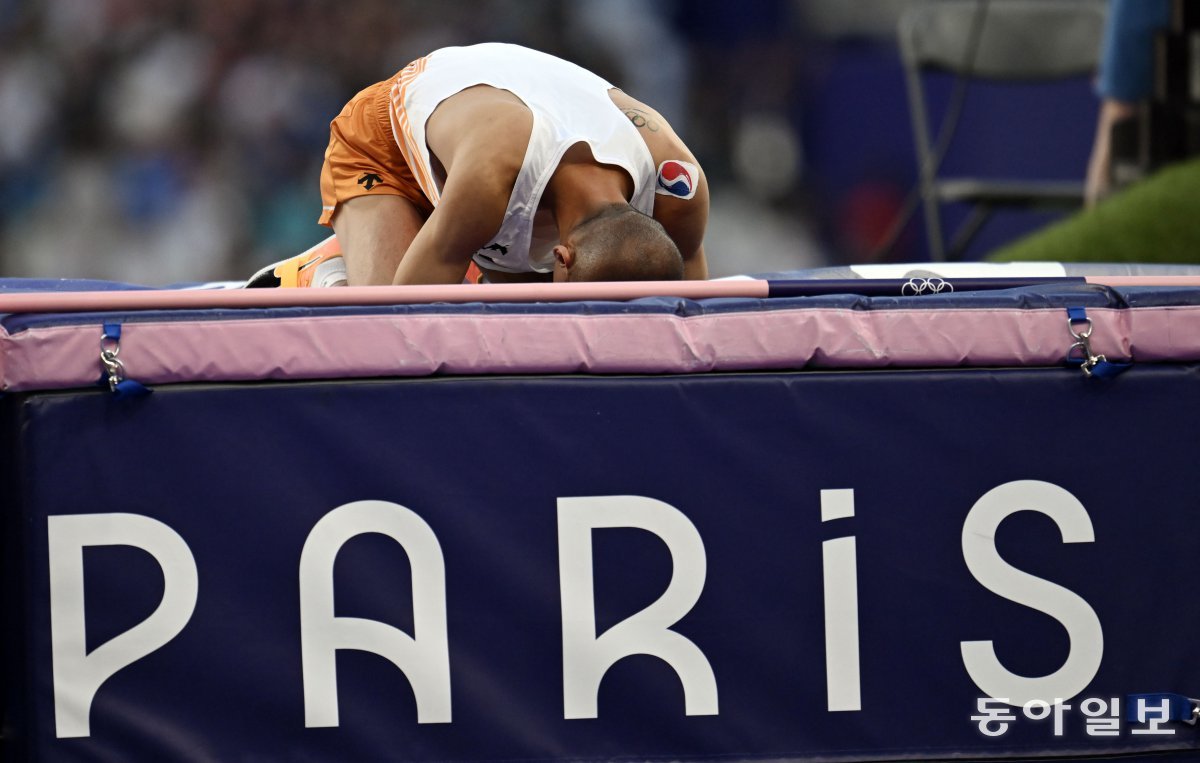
column 1080, row 327
column 112, row 369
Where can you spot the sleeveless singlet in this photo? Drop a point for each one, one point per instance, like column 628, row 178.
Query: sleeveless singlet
column 570, row 105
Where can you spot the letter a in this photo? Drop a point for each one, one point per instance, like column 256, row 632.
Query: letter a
column 77, row 674
column 423, row 657
column 586, row 656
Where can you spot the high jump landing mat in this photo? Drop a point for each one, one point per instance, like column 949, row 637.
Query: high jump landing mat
column 819, row 525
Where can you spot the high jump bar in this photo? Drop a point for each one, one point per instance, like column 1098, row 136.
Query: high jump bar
column 352, row 296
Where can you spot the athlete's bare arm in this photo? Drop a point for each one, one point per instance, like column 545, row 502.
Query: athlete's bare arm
column 479, row 136
column 684, row 219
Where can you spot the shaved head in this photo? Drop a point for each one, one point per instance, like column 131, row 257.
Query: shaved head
column 622, row 244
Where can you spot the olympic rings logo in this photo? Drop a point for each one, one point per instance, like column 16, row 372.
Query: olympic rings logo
column 917, row 286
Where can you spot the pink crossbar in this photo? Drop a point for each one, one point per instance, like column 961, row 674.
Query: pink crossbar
column 175, row 299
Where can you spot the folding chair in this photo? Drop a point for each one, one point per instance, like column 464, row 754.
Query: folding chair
column 1000, row 41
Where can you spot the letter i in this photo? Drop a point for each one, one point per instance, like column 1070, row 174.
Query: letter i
column 841, row 607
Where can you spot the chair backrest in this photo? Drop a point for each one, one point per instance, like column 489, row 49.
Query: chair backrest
column 1017, row 39
column 998, row 40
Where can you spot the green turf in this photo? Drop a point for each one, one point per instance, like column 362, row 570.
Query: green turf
column 1156, row 220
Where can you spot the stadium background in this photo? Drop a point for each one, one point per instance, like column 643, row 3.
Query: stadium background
column 160, row 141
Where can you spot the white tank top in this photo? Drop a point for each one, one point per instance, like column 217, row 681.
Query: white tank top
column 570, row 105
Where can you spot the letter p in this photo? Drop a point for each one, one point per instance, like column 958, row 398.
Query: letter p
column 77, row 674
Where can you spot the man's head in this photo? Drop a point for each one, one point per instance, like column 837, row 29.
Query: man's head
column 618, row 244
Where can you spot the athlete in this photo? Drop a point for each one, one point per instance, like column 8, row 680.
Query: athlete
column 510, row 162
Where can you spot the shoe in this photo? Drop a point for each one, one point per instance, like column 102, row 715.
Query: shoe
column 319, row 267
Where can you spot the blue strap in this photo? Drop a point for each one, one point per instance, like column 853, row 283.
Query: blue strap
column 126, row 388
column 1076, row 314
column 1106, row 369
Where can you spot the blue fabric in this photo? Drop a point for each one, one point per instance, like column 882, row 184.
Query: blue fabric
column 243, row 474
column 1127, row 58
column 65, row 284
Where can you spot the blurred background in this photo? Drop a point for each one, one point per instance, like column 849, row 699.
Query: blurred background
column 163, row 141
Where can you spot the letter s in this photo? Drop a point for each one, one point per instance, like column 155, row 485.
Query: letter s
column 1069, row 609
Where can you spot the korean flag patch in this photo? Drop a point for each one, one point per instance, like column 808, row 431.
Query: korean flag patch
column 677, row 178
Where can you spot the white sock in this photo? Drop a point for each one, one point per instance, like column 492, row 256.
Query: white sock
column 331, row 272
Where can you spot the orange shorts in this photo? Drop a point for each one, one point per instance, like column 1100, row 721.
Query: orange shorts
column 363, row 157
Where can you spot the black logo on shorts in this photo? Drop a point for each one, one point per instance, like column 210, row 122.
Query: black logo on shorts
column 496, row 248
column 369, row 180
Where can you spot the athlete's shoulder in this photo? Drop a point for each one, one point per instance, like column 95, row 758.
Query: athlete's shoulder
column 482, row 122
column 662, row 140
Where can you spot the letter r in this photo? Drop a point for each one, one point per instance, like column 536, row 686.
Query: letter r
column 587, row 656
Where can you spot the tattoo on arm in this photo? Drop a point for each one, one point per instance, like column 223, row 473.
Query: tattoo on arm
column 642, row 119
